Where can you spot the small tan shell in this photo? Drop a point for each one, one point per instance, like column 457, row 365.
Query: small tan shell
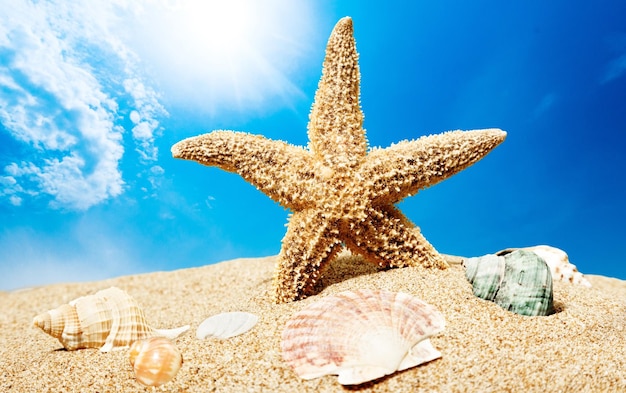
column 558, row 261
column 226, row 325
column 108, row 319
column 361, row 336
column 155, row 360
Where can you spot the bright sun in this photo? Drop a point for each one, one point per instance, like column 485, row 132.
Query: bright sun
column 225, row 55
column 226, row 25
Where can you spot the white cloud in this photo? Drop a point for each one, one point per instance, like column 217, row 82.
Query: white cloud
column 7, row 181
column 15, row 200
column 60, row 94
column 144, row 117
column 9, row 187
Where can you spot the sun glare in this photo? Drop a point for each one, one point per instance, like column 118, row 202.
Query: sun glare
column 225, row 25
column 225, row 55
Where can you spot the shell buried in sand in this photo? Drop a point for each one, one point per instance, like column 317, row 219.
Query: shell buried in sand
column 108, row 319
column 520, row 282
column 361, row 336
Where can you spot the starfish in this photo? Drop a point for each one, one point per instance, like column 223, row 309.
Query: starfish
column 339, row 192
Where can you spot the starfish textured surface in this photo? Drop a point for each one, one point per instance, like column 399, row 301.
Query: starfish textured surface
column 339, row 192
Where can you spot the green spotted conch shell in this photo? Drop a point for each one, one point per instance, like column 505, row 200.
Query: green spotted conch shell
column 520, row 282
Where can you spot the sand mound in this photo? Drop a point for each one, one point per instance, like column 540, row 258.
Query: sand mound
column 484, row 348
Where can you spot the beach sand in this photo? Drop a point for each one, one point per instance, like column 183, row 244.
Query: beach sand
column 582, row 347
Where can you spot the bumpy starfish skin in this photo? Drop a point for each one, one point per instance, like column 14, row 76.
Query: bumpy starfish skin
column 337, row 190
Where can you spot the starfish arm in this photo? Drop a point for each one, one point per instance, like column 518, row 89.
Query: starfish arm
column 406, row 167
column 310, row 243
column 336, row 134
column 389, row 239
column 276, row 168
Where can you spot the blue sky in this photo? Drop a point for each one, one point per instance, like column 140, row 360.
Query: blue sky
column 93, row 94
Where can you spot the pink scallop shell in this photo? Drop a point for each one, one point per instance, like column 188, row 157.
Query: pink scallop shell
column 361, row 336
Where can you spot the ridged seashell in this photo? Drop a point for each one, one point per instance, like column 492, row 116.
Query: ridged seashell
column 361, row 336
column 520, row 281
column 226, row 325
column 108, row 319
column 560, row 266
column 155, row 360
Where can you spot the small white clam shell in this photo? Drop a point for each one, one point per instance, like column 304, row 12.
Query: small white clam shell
column 361, row 336
column 226, row 325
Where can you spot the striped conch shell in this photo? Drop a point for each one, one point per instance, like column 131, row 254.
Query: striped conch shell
column 560, row 266
column 108, row 319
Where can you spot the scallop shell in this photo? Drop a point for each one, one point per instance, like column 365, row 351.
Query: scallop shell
column 361, row 336
column 226, row 325
column 520, row 281
column 560, row 266
column 108, row 319
column 155, row 360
